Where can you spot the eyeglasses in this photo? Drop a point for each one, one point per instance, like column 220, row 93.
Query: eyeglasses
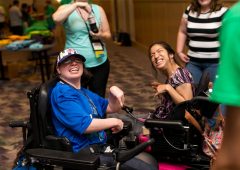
column 71, row 60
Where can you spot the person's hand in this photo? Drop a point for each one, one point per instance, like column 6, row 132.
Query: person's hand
column 97, row 35
column 154, row 84
column 118, row 125
column 84, row 5
column 183, row 57
column 118, row 94
column 159, row 87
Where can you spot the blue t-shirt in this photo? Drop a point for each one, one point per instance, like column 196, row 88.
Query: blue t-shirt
column 77, row 37
column 72, row 113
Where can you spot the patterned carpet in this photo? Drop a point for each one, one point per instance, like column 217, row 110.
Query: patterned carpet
column 126, row 72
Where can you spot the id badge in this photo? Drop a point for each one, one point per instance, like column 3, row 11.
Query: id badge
column 98, row 48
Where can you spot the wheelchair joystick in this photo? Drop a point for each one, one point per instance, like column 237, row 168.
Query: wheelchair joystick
column 127, row 109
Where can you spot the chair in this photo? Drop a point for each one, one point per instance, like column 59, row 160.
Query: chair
column 44, row 150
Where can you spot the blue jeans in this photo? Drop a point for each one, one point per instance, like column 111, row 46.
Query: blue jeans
column 197, row 69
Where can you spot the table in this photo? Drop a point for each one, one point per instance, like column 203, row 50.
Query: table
column 42, row 56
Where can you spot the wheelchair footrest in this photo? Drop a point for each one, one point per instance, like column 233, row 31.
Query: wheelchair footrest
column 81, row 160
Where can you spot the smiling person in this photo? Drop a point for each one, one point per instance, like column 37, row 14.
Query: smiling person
column 79, row 114
column 178, row 85
column 86, row 27
column 198, row 30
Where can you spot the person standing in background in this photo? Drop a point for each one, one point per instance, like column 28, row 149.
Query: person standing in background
column 226, row 90
column 26, row 18
column 15, row 16
column 82, row 34
column 2, row 20
column 48, row 11
column 199, row 31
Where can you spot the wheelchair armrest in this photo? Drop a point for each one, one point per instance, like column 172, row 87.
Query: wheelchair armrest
column 123, row 156
column 24, row 125
column 165, row 124
column 59, row 143
column 81, row 160
column 20, row 123
column 64, row 140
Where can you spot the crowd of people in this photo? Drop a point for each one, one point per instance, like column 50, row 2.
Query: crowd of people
column 18, row 16
column 79, row 107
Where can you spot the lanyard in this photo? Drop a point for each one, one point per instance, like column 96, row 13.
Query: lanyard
column 93, row 107
column 79, row 12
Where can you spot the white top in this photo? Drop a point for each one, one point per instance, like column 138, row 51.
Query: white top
column 15, row 16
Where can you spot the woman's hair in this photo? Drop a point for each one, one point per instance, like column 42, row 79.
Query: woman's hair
column 86, row 76
column 214, row 6
column 167, row 47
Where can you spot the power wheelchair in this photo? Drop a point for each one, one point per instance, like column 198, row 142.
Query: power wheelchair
column 43, row 150
column 177, row 140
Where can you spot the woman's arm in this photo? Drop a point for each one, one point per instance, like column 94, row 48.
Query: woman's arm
column 181, row 93
column 104, row 30
column 64, row 11
column 181, row 40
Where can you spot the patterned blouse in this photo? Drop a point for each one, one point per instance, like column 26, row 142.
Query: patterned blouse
column 166, row 104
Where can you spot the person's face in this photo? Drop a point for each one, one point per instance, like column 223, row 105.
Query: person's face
column 71, row 68
column 159, row 56
column 205, row 3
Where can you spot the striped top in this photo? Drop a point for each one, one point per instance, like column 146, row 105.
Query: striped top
column 202, row 32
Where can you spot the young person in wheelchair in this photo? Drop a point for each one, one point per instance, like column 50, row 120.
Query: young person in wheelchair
column 173, row 95
column 79, row 114
column 178, row 86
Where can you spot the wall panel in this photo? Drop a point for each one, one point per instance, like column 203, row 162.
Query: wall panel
column 159, row 20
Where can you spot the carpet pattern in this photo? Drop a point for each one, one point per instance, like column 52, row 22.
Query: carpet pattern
column 125, row 73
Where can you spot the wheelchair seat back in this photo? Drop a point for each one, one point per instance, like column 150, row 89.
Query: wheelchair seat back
column 42, row 130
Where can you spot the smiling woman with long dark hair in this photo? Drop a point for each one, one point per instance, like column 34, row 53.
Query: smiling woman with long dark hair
column 178, row 85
